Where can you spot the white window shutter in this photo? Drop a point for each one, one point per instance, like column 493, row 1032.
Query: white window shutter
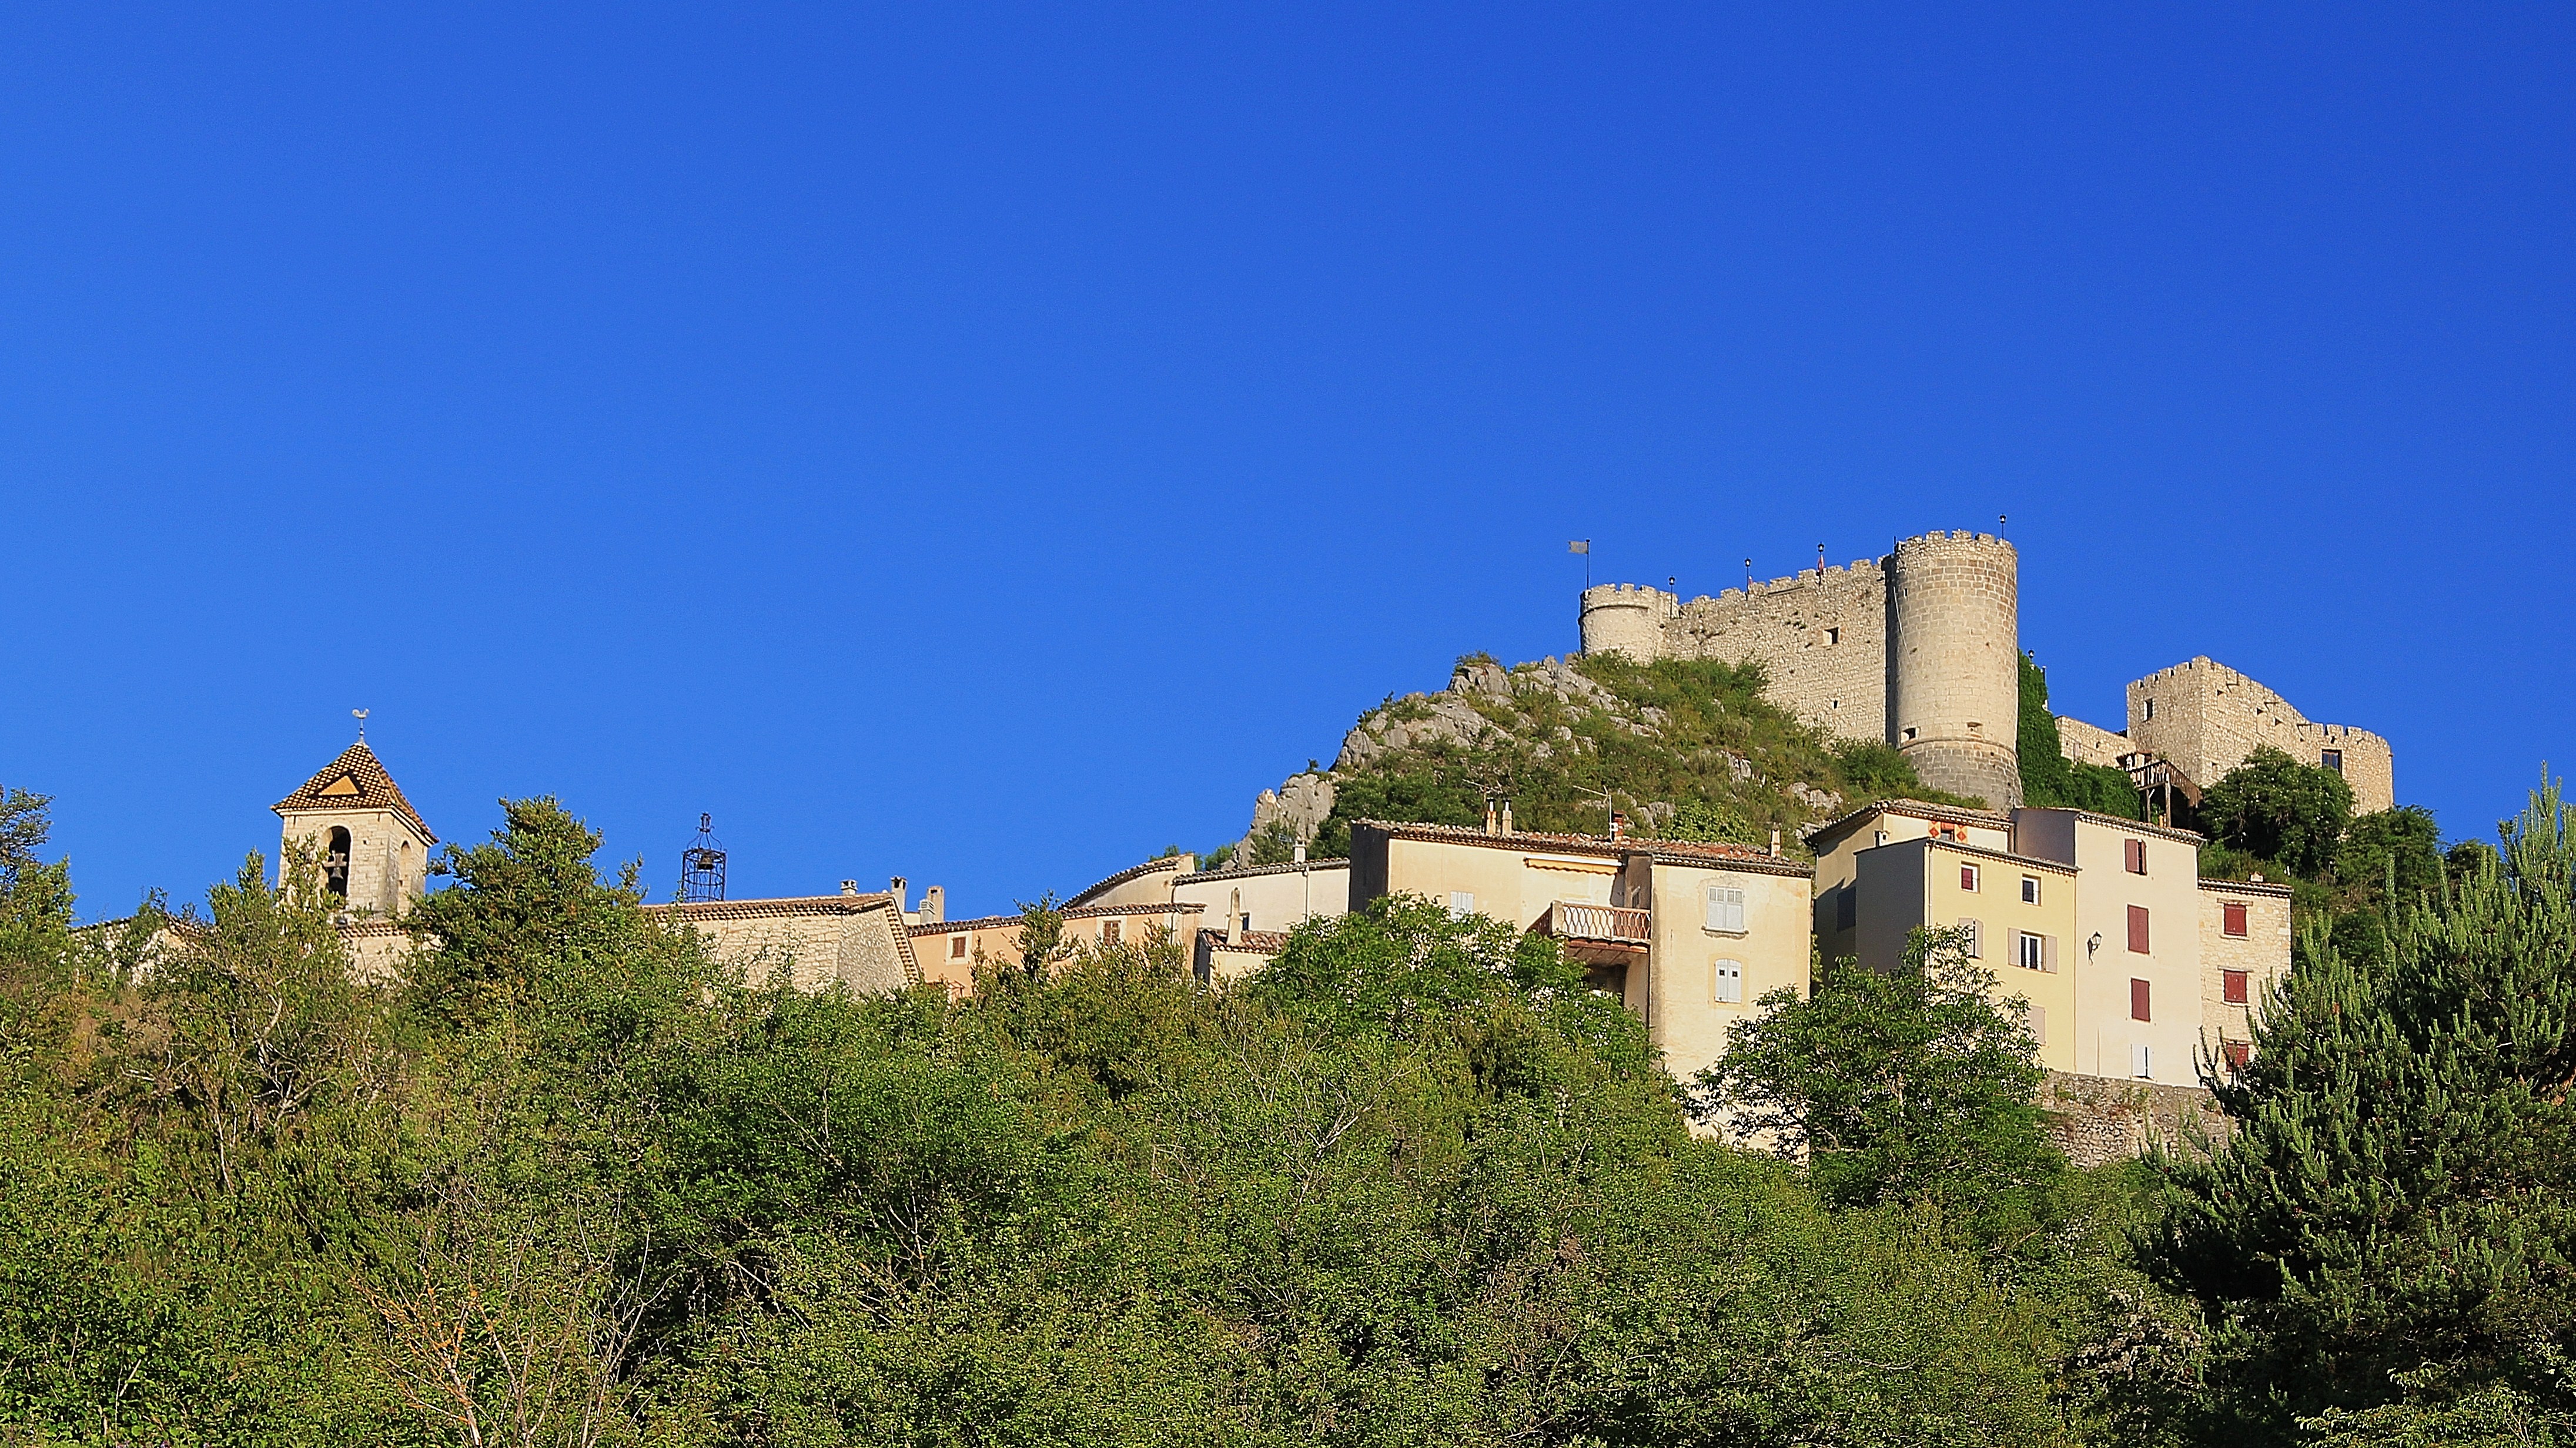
column 2142, row 1062
column 1461, row 903
column 1729, row 981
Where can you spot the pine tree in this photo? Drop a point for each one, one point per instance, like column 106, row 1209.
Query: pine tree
column 2394, row 1219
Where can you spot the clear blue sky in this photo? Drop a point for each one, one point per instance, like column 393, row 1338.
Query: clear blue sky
column 990, row 445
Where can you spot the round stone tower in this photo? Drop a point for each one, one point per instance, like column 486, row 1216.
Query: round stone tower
column 1954, row 666
column 1627, row 618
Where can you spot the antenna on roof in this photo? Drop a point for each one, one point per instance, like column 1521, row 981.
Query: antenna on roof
column 361, row 716
column 702, row 865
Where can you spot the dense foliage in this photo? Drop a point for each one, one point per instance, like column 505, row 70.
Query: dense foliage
column 2048, row 777
column 1414, row 1183
column 2385, row 1242
column 571, row 1184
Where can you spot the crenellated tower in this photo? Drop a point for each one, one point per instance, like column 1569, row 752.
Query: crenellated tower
column 1954, row 702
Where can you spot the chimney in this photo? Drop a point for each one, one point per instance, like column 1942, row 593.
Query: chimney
column 1618, row 825
column 1775, row 844
column 1493, row 824
column 1301, row 855
column 934, row 905
column 1507, row 817
column 849, row 887
column 1234, row 916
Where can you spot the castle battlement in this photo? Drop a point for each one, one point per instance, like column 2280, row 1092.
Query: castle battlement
column 2206, row 718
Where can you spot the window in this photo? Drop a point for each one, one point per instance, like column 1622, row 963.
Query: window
column 1725, row 908
column 2236, row 986
column 1846, row 908
column 1461, row 903
column 2133, row 856
column 2142, row 1062
column 1728, row 985
column 2231, row 919
column 2138, row 1000
column 1109, row 932
column 1975, row 939
column 2332, row 759
column 2138, row 929
column 1881, row 839
column 2033, row 953
column 1833, row 636
column 2237, row 1054
column 2030, row 889
column 1968, row 878
column 2151, row 708
column 335, row 863
column 957, row 947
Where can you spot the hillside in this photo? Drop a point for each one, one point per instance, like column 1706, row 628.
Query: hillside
column 1687, row 749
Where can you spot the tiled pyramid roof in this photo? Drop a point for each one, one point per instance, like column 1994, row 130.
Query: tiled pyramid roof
column 367, row 787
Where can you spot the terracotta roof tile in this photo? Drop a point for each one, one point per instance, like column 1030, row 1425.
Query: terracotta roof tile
column 369, row 787
column 1261, row 942
column 1534, row 842
column 1251, row 870
column 1159, row 862
column 1077, row 912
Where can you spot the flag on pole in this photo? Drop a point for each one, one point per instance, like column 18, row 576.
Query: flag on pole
column 1579, row 545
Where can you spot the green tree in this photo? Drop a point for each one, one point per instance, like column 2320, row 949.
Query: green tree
column 1900, row 1085
column 2275, row 808
column 2388, row 1223
column 2048, row 777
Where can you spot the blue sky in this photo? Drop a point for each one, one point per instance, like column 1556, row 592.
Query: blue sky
column 989, row 445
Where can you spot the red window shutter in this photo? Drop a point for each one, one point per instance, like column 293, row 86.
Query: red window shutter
column 1967, row 877
column 2138, row 1001
column 2236, row 986
column 2232, row 918
column 2238, row 1053
column 2136, row 852
column 2138, row 929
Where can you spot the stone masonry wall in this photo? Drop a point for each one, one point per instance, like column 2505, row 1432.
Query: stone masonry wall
column 1955, row 702
column 2090, row 743
column 2094, row 1120
column 1820, row 636
column 2207, row 718
column 2262, row 952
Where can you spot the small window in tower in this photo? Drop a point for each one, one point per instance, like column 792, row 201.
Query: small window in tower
column 345, row 787
column 335, row 864
column 2236, row 986
column 1909, row 736
column 2333, row 760
column 2151, row 708
column 1833, row 636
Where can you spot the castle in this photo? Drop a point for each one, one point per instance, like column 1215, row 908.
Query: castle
column 1920, row 650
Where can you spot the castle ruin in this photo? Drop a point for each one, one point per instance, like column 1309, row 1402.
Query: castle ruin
column 1920, row 650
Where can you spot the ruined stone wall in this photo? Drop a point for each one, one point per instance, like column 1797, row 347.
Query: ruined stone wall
column 1954, row 704
column 2094, row 1120
column 2090, row 743
column 2207, row 718
column 1820, row 636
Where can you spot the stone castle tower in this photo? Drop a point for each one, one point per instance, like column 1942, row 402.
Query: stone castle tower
column 1920, row 649
column 372, row 843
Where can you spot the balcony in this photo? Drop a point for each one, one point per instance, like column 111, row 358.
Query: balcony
column 1601, row 933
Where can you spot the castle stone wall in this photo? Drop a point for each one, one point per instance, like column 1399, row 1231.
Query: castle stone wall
column 2207, row 718
column 1820, row 637
column 1955, row 708
column 2090, row 743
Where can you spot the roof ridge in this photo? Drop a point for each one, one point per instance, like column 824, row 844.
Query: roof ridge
column 372, row 786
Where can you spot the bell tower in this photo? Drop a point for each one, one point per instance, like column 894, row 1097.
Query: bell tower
column 373, row 845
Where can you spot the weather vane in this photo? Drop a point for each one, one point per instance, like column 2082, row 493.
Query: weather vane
column 361, row 716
